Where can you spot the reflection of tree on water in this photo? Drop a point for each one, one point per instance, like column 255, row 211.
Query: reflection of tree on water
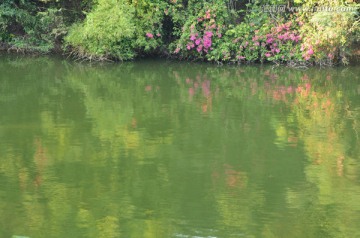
column 105, row 152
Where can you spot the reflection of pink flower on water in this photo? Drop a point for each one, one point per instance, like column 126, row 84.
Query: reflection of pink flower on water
column 148, row 88
column 149, row 35
column 289, row 89
column 191, row 92
column 206, row 88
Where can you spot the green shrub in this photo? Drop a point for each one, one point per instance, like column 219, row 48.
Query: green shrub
column 107, row 32
column 25, row 28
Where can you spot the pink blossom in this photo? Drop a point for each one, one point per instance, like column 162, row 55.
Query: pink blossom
column 269, row 40
column 149, row 35
column 198, row 41
column 219, row 35
column 240, row 57
column 177, row 50
column 200, row 19
column 207, row 42
column 310, row 51
column 199, row 48
column 286, row 36
column 208, row 34
column 277, row 50
column 256, row 43
column 192, row 37
column 330, row 56
column 158, row 34
column 208, row 15
column 188, row 47
column 306, row 57
column 267, row 54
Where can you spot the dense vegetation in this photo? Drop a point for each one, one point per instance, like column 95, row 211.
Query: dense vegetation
column 301, row 33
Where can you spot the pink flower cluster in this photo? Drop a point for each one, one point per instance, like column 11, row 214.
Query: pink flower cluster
column 308, row 53
column 201, row 43
column 150, row 35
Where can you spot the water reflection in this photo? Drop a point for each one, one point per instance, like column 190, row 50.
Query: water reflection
column 164, row 149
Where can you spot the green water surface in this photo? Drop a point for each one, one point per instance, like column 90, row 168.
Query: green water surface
column 159, row 149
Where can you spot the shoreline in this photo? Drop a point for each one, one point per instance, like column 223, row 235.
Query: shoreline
column 5, row 49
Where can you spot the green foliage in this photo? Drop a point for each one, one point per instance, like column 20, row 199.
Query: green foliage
column 331, row 35
column 149, row 16
column 107, row 32
column 26, row 29
column 212, row 30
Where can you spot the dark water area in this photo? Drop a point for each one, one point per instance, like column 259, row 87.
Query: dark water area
column 161, row 149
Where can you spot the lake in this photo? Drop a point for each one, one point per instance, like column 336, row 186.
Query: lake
column 160, row 149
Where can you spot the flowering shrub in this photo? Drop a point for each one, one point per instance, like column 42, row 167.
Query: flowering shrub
column 202, row 32
column 216, row 31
